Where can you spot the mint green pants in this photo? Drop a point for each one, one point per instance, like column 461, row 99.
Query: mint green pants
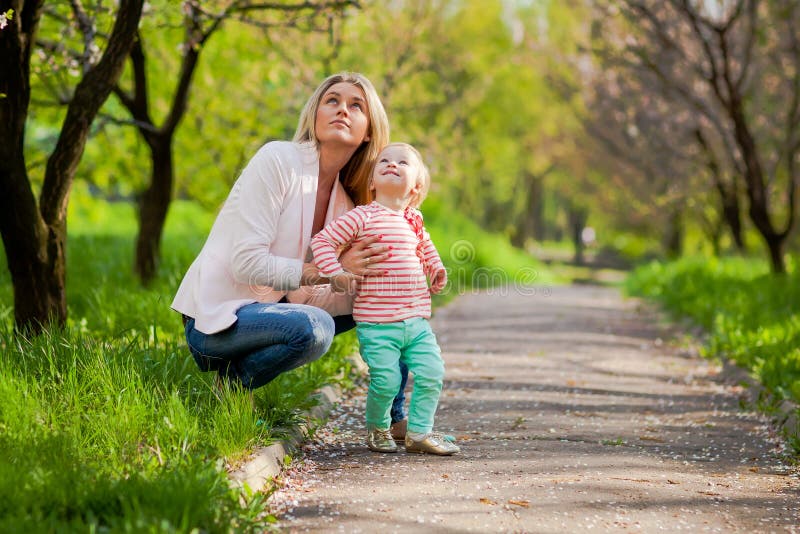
column 382, row 346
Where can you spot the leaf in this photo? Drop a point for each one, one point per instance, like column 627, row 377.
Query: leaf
column 490, row 502
column 524, row 504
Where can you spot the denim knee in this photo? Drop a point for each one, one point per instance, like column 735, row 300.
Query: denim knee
column 314, row 335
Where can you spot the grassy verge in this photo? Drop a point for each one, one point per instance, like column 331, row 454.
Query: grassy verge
column 751, row 316
column 108, row 424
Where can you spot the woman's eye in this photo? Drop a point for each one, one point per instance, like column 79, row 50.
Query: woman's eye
column 356, row 106
column 331, row 100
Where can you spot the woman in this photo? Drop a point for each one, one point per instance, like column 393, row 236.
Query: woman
column 253, row 302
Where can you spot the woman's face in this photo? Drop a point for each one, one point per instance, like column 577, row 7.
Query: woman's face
column 342, row 117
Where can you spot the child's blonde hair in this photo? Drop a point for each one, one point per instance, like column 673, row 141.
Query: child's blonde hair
column 423, row 178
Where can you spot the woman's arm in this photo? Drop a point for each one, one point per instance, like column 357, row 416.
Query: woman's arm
column 261, row 190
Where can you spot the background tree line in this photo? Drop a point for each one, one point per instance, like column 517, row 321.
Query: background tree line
column 537, row 118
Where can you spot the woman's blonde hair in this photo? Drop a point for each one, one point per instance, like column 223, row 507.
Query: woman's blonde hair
column 423, row 178
column 356, row 173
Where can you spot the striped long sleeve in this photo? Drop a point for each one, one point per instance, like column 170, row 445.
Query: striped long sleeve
column 402, row 292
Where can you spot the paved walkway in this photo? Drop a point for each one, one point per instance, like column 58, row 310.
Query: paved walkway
column 574, row 411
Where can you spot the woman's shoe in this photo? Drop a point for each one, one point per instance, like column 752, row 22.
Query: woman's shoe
column 431, row 443
column 380, row 440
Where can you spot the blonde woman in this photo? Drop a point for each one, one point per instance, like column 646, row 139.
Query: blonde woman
column 253, row 302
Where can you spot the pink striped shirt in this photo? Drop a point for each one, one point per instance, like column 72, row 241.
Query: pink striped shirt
column 403, row 292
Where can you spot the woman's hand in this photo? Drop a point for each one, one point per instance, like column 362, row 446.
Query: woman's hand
column 358, row 258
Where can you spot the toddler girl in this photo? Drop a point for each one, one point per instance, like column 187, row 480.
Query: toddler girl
column 392, row 311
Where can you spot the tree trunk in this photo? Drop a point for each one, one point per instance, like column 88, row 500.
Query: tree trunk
column 673, row 239
column 732, row 215
column 38, row 288
column 728, row 194
column 577, row 221
column 35, row 239
column 532, row 220
column 756, row 189
column 34, row 252
column 775, row 247
column 153, row 207
column 536, row 199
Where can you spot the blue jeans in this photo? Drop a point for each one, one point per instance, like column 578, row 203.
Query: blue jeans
column 397, row 412
column 269, row 339
column 266, row 340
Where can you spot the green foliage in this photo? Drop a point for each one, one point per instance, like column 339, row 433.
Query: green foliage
column 108, row 423
column 751, row 316
column 476, row 258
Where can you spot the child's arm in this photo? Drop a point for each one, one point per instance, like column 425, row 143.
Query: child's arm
column 432, row 264
column 324, row 245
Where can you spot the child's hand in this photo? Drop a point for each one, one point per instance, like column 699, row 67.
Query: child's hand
column 345, row 282
column 438, row 280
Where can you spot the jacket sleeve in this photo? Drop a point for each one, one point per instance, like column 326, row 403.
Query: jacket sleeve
column 261, row 189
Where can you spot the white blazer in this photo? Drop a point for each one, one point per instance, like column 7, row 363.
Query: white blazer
column 260, row 239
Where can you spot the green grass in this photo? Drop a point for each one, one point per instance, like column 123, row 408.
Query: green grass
column 109, row 425
column 751, row 315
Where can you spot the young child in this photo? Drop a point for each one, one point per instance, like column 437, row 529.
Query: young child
column 391, row 311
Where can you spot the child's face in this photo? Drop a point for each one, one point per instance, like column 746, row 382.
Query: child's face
column 396, row 173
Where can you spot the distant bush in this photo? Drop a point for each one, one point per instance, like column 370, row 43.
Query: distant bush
column 476, row 258
column 751, row 315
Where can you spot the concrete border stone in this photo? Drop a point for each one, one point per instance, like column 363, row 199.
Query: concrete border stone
column 267, row 462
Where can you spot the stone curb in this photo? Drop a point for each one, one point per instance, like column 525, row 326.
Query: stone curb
column 266, row 463
column 783, row 412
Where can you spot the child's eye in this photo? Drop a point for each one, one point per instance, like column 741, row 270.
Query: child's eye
column 384, row 160
column 403, row 162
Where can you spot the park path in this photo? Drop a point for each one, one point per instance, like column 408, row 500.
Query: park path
column 575, row 411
